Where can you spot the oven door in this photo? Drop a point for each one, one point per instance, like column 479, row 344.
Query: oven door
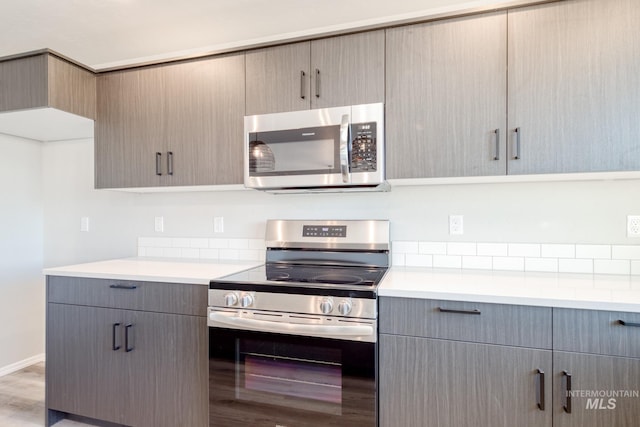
column 272, row 379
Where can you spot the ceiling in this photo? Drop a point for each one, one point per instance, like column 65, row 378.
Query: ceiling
column 111, row 33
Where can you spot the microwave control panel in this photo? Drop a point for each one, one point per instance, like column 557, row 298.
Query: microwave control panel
column 364, row 154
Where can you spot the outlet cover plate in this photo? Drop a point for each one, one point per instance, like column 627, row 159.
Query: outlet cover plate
column 633, row 226
column 456, row 224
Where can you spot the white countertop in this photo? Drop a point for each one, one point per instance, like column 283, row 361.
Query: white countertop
column 595, row 292
column 198, row 272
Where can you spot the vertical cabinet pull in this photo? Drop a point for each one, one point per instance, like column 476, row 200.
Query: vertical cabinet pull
column 169, row 162
column 114, row 331
column 540, row 390
column 518, row 134
column 128, row 331
column 497, row 156
column 567, row 392
column 159, row 164
column 302, row 74
column 317, row 83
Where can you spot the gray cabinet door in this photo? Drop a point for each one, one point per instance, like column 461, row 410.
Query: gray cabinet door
column 130, row 129
column 85, row 375
column 169, row 362
column 446, row 97
column 278, row 79
column 574, row 87
column 604, row 390
column 347, row 70
column 440, row 383
column 23, row 83
column 204, row 121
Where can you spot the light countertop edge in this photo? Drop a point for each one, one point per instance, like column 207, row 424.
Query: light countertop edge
column 560, row 290
column 187, row 271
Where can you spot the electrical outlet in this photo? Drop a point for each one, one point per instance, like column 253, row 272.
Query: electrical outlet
column 84, row 223
column 633, row 226
column 456, row 224
column 218, row 224
column 159, row 224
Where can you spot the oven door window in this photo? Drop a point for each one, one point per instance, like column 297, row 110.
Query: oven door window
column 267, row 379
column 307, row 151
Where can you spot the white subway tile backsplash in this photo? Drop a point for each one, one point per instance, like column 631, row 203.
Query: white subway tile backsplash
column 549, row 265
column 433, row 248
column 477, row 262
column 404, row 247
column 229, row 254
column 593, row 251
column 492, row 249
column 239, row 243
column 418, row 260
column 557, row 251
column 459, row 248
column 524, row 250
column 190, row 253
column 257, row 244
column 210, row 253
column 635, row 267
column 625, row 252
column 447, row 261
column 218, row 243
column 508, row 263
column 200, row 243
column 171, row 252
column 575, row 266
column 153, row 252
column 180, row 242
column 609, row 266
column 142, row 251
column 398, row 259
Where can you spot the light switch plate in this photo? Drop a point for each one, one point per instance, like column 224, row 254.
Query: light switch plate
column 218, row 224
column 84, row 224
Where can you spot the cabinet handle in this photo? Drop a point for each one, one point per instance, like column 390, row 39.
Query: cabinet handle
column 317, row 83
column 122, row 286
column 633, row 324
column 518, row 134
column 159, row 164
column 567, row 395
column 302, row 74
column 345, row 149
column 450, row 310
column 114, row 331
column 540, row 383
column 127, row 330
column 497, row 156
column 169, row 162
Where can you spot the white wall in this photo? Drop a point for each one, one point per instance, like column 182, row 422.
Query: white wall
column 559, row 212
column 21, row 229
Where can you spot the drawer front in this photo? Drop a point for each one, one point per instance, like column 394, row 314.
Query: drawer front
column 597, row 332
column 467, row 321
column 132, row 295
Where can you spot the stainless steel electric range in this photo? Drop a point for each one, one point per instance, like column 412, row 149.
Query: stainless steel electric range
column 293, row 342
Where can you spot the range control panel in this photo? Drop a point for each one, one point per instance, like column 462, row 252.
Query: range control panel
column 324, row 231
column 364, row 154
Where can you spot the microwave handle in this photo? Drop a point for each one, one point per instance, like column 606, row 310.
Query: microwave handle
column 345, row 149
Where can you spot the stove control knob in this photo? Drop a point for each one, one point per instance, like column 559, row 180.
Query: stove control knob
column 326, row 305
column 230, row 299
column 344, row 307
column 246, row 300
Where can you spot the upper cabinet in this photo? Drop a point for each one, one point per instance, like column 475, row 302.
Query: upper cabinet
column 446, row 98
column 171, row 125
column 574, row 87
column 330, row 72
column 44, row 89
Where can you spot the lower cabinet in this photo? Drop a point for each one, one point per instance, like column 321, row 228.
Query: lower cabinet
column 440, row 383
column 130, row 367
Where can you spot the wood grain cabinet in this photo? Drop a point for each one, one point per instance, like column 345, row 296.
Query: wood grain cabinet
column 46, row 80
column 171, row 125
column 446, row 85
column 431, row 374
column 574, row 87
column 131, row 353
column 330, row 72
column 596, row 363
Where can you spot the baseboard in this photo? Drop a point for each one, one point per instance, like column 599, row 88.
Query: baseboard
column 6, row 370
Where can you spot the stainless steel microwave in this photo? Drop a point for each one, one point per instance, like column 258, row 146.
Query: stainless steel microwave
column 340, row 148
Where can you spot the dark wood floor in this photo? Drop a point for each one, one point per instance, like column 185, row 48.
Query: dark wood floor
column 22, row 399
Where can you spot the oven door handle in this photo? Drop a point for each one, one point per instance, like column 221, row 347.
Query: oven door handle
column 290, row 328
column 345, row 149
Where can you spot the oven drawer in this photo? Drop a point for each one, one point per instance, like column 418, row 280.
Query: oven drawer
column 126, row 294
column 598, row 332
column 504, row 324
